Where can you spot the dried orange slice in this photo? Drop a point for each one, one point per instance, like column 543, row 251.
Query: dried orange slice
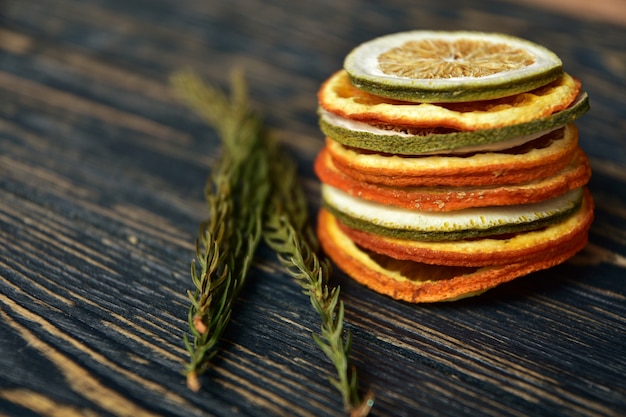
column 337, row 95
column 574, row 175
column 437, row 66
column 481, row 169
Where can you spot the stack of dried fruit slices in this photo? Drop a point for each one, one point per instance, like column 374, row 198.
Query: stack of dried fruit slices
column 451, row 164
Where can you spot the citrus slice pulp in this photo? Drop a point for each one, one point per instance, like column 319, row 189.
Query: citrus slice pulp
column 438, row 66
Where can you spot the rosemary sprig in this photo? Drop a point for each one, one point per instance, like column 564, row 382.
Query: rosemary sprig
column 236, row 194
column 239, row 200
column 288, row 232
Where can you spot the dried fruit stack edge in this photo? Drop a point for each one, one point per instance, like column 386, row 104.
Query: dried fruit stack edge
column 451, row 164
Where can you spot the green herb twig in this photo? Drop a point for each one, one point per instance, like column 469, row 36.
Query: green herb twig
column 235, row 194
column 288, row 232
column 238, row 196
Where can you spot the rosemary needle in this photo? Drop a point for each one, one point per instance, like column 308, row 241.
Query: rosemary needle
column 236, row 194
column 288, row 232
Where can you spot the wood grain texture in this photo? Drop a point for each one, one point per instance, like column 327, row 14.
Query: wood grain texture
column 101, row 180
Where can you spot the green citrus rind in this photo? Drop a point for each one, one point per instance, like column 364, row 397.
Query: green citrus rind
column 363, row 136
column 463, row 224
column 365, row 73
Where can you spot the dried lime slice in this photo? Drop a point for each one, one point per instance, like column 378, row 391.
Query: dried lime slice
column 468, row 223
column 535, row 244
column 437, row 66
column 407, row 141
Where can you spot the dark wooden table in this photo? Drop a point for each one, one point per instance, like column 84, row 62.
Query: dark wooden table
column 101, row 193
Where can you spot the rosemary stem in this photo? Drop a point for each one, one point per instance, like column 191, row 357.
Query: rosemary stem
column 288, row 232
column 236, row 193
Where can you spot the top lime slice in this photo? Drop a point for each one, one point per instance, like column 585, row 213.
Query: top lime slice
column 435, row 66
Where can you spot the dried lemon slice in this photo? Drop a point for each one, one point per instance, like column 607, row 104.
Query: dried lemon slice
column 436, row 66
